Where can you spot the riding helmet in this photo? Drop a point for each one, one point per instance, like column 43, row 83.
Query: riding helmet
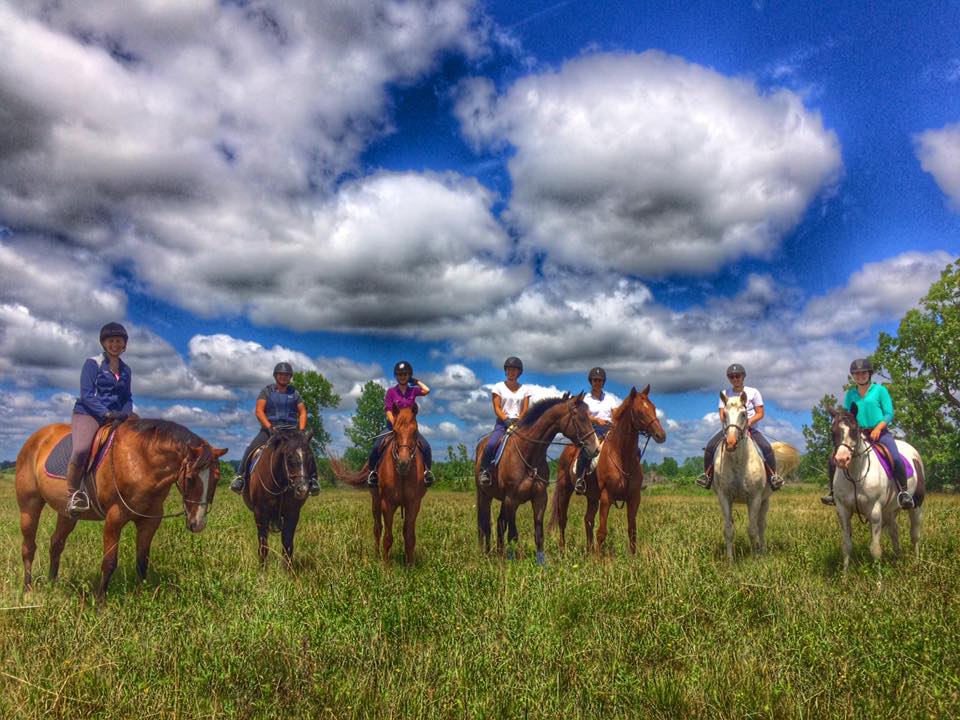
column 736, row 368
column 597, row 372
column 402, row 366
column 283, row 367
column 861, row 364
column 112, row 329
column 513, row 362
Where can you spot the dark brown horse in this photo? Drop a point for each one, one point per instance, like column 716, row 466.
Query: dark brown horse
column 400, row 472
column 522, row 473
column 145, row 460
column 619, row 475
column 277, row 487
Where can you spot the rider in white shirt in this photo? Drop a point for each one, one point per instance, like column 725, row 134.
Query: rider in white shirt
column 510, row 401
column 600, row 405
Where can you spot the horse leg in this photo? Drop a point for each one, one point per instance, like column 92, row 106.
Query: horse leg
column 501, row 525
column 561, row 501
column 539, row 508
column 388, row 510
column 29, row 521
column 593, row 503
column 146, row 528
column 894, row 532
column 377, row 522
column 483, row 520
column 65, row 526
column 112, row 526
column 726, row 508
column 410, row 529
column 753, row 521
column 602, row 530
column 876, row 531
column 762, row 523
column 633, row 503
column 290, row 523
column 916, row 516
column 846, row 534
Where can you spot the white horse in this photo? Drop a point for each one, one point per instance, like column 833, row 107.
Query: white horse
column 861, row 486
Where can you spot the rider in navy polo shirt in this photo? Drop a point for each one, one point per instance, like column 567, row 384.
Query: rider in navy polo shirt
column 278, row 406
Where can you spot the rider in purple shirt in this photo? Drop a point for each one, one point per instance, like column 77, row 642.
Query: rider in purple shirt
column 403, row 394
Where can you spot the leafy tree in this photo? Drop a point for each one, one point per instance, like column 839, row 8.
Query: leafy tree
column 456, row 472
column 368, row 422
column 691, row 467
column 922, row 363
column 669, row 467
column 317, row 393
column 819, row 440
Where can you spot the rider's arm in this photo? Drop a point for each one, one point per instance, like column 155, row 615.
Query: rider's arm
column 524, row 407
column 498, row 409
column 758, row 416
column 886, row 407
column 390, row 417
column 424, row 390
column 302, row 415
column 261, row 412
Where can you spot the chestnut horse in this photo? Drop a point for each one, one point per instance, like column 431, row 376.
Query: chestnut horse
column 277, row 487
column 401, row 485
column 522, row 473
column 145, row 460
column 618, row 476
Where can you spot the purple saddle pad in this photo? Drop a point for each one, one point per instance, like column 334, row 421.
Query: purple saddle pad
column 886, row 465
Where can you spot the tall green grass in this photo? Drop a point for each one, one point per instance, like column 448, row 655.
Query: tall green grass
column 672, row 632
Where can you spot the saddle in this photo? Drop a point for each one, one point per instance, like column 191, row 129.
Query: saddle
column 252, row 461
column 886, row 461
column 58, row 459
column 575, row 465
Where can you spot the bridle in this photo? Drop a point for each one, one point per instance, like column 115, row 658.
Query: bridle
column 293, row 479
column 397, row 445
column 580, row 442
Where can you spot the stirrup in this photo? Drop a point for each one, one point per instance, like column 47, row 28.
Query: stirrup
column 313, row 487
column 580, row 485
column 237, row 484
column 78, row 503
column 905, row 500
column 704, row 481
column 428, row 477
column 372, row 479
column 776, row 482
column 485, row 478
column 828, row 500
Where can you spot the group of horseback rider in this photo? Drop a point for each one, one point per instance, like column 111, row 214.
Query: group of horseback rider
column 106, row 397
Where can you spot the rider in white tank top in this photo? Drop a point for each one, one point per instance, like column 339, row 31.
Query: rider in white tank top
column 511, row 401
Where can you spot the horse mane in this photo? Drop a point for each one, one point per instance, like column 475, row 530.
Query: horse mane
column 536, row 411
column 622, row 407
column 164, row 432
column 283, row 436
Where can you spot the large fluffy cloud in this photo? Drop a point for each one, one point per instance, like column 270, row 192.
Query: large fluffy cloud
column 650, row 164
column 939, row 153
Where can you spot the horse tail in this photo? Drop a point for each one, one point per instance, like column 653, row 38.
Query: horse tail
column 921, row 489
column 354, row 478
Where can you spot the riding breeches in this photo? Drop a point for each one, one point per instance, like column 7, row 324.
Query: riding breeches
column 380, row 442
column 765, row 448
column 82, row 428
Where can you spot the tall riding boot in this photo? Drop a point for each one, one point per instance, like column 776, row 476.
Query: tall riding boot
column 580, row 473
column 904, row 498
column 78, row 501
column 828, row 498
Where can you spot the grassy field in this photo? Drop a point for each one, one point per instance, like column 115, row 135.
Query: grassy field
column 672, row 632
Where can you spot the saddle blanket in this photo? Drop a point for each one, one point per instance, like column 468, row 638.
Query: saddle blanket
column 886, row 463
column 59, row 457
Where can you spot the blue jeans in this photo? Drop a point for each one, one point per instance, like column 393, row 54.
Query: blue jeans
column 768, row 457
column 380, row 442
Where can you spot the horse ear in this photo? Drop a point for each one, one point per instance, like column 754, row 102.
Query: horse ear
column 743, row 397
column 853, row 409
column 580, row 397
column 395, row 409
column 646, row 391
column 567, row 394
column 415, row 408
column 723, row 397
column 219, row 452
column 633, row 393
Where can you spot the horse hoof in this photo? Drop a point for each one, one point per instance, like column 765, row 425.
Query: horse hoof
column 510, row 554
column 541, row 558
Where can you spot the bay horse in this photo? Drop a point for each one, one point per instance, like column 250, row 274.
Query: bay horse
column 522, row 473
column 618, row 476
column 277, row 488
column 400, row 485
column 863, row 487
column 144, row 461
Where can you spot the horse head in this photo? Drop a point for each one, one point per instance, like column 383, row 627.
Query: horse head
column 845, row 433
column 405, row 435
column 736, row 423
column 643, row 415
column 199, row 475
column 577, row 426
column 293, row 457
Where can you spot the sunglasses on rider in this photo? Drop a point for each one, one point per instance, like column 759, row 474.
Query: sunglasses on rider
column 734, row 376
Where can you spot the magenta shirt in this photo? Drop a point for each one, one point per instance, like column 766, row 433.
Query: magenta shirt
column 395, row 395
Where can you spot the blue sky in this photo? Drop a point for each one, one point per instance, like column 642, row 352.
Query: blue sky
column 660, row 189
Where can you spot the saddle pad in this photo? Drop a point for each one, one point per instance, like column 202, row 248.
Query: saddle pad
column 885, row 464
column 500, row 448
column 59, row 457
column 255, row 457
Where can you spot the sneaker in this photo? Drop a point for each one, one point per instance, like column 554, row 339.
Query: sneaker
column 372, row 479
column 485, row 479
column 705, row 481
column 776, row 482
column 313, row 487
column 428, row 477
column 828, row 500
column 78, row 503
column 905, row 500
column 237, row 484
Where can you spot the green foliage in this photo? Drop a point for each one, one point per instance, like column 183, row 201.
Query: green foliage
column 227, row 473
column 456, row 473
column 819, row 440
column 922, row 363
column 317, row 393
column 669, row 468
column 368, row 421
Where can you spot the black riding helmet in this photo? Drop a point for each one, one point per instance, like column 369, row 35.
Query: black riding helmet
column 736, row 368
column 598, row 373
column 513, row 362
column 283, row 367
column 861, row 364
column 402, row 366
column 113, row 329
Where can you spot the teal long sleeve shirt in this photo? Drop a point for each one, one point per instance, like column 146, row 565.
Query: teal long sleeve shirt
column 872, row 408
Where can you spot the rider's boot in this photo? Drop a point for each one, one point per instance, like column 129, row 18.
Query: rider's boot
column 904, row 499
column 237, row 484
column 313, row 487
column 706, row 478
column 775, row 481
column 78, row 501
column 828, row 498
column 580, row 483
column 428, row 478
column 372, row 479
